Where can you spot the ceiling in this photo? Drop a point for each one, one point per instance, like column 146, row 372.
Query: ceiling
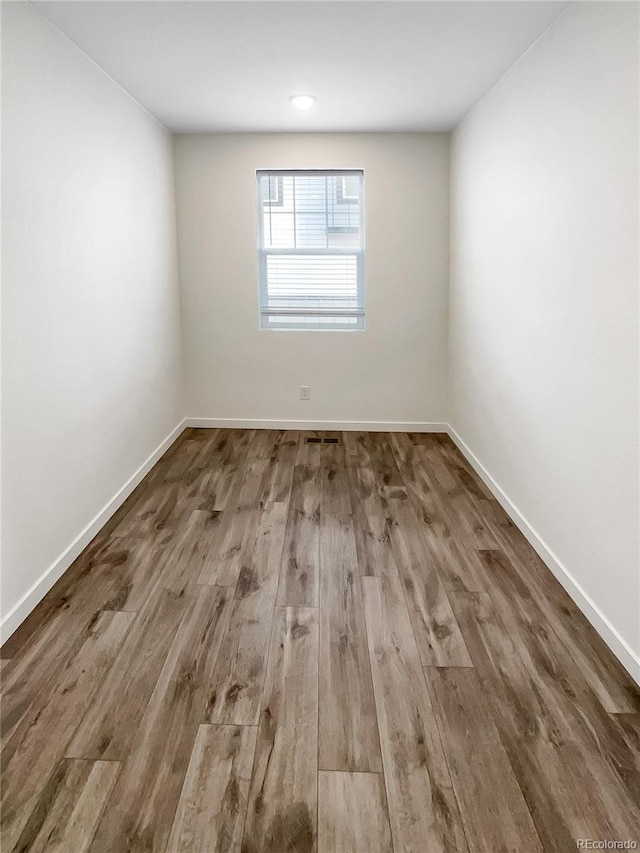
column 374, row 66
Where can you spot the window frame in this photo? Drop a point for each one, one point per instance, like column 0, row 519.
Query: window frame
column 343, row 197
column 263, row 253
column 279, row 199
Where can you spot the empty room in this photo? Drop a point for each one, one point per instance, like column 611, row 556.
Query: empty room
column 320, row 426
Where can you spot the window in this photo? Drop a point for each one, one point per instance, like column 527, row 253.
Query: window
column 273, row 191
column 348, row 189
column 311, row 250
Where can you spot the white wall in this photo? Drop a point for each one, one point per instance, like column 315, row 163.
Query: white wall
column 544, row 301
column 91, row 345
column 396, row 370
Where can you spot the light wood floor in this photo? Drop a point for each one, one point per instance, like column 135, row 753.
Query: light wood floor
column 277, row 646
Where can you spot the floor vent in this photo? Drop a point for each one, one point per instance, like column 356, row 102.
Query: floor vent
column 315, row 440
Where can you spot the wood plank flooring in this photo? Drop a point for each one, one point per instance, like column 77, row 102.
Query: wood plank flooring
column 277, row 646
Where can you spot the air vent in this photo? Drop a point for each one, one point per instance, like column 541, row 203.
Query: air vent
column 313, row 440
column 316, row 440
column 331, row 440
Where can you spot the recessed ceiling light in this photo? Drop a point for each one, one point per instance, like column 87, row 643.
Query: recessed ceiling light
column 303, row 102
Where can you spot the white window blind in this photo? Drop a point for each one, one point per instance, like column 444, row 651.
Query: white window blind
column 311, row 249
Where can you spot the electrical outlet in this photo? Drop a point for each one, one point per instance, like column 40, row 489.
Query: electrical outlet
column 305, row 392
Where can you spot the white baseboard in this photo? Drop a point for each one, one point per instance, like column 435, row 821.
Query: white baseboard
column 347, row 426
column 30, row 599
column 618, row 645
